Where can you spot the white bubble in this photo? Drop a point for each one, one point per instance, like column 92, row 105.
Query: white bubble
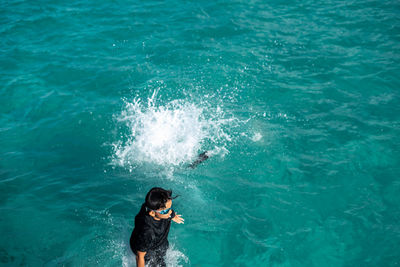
column 256, row 137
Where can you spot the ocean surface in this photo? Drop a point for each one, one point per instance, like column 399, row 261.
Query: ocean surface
column 296, row 102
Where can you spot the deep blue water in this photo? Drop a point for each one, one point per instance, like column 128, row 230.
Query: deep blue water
column 297, row 103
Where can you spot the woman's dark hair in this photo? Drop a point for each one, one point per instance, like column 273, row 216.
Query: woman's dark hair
column 157, row 197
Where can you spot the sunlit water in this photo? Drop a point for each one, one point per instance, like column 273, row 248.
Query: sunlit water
column 297, row 104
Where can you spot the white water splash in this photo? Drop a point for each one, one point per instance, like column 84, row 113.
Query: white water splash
column 174, row 257
column 170, row 134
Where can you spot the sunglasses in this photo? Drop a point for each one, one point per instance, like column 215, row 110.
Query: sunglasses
column 163, row 212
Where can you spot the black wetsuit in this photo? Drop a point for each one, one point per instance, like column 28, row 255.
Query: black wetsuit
column 150, row 236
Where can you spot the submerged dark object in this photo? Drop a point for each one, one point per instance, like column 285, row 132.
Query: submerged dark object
column 202, row 157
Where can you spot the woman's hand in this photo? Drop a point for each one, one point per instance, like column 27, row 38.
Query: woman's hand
column 178, row 219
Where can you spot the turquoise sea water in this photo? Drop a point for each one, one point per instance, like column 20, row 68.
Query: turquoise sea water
column 297, row 102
